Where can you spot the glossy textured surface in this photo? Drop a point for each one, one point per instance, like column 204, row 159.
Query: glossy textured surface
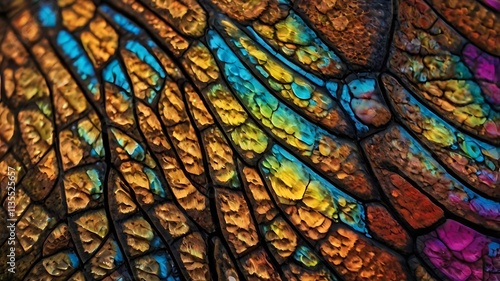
column 251, row 140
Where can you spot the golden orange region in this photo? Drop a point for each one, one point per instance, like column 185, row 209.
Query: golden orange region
column 243, row 131
column 59, row 264
column 274, row 12
column 29, row 84
column 27, row 27
column 71, row 149
column 58, row 239
column 144, row 78
column 151, row 127
column 354, row 256
column 99, row 41
column 258, row 267
column 173, row 111
column 220, row 158
column 296, row 273
column 8, row 128
column 119, row 107
column 138, row 233
column 22, row 80
column 242, row 9
column 22, row 201
column 76, row 13
column 200, row 64
column 282, row 238
column 188, row 147
column 184, row 191
column 193, row 252
column 126, row 204
column 226, row 105
column 422, row 274
column 311, row 223
column 288, row 180
column 171, row 107
column 41, row 178
column 92, row 227
column 137, row 179
column 200, row 114
column 69, row 101
column 91, row 125
column 36, row 131
column 78, row 188
column 264, row 208
column 187, row 16
column 104, row 260
column 12, row 49
column 236, row 220
column 33, row 225
column 172, row 219
column 168, row 64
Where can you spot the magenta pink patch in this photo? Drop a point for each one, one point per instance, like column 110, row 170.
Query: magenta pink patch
column 486, row 69
column 461, row 253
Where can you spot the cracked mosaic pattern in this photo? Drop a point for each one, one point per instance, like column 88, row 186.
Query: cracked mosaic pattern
column 250, row 140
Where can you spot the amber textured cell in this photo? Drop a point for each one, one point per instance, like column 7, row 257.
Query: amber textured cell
column 301, row 140
column 262, row 206
column 236, row 222
column 220, row 156
column 188, row 196
column 104, row 260
column 194, row 257
column 200, row 64
column 76, row 13
column 58, row 239
column 358, row 29
column 355, row 257
column 257, row 267
column 91, row 227
column 242, row 9
column 402, row 196
column 187, row 16
column 29, row 29
column 42, row 177
column 479, row 24
column 69, row 100
column 202, row 117
column 383, row 226
column 100, row 41
column 281, row 238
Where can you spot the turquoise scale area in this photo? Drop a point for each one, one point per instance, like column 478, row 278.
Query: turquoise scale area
column 250, row 140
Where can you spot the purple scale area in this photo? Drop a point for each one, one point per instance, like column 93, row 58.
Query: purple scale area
column 461, row 253
column 495, row 4
column 486, row 70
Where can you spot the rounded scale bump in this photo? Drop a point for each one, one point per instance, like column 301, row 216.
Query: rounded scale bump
column 242, row 9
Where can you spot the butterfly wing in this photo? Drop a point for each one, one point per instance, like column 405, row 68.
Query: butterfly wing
column 251, row 140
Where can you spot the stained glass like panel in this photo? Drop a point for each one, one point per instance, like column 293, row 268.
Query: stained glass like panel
column 250, row 140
